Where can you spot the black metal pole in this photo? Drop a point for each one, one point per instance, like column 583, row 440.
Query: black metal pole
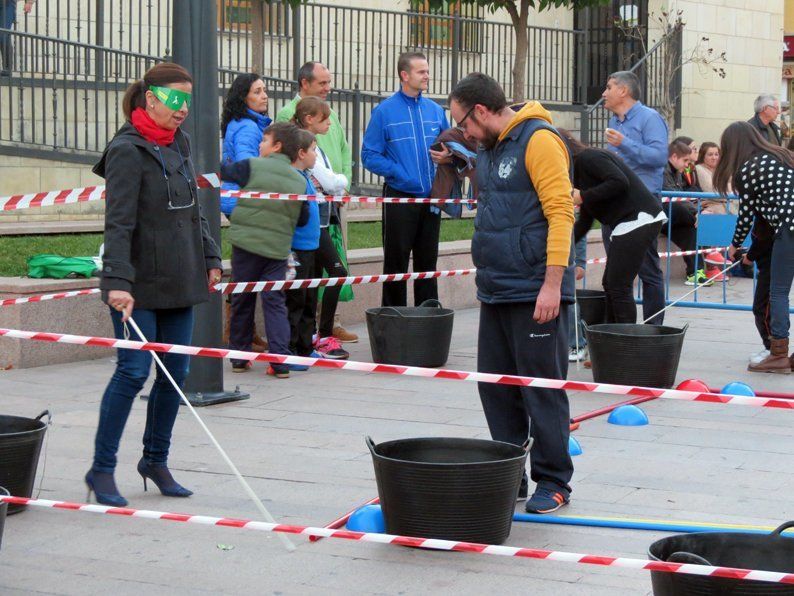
column 195, row 44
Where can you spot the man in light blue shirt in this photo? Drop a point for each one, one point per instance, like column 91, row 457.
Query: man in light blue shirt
column 638, row 134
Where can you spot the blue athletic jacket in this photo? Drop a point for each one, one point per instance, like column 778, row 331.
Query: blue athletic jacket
column 307, row 236
column 398, row 139
column 240, row 142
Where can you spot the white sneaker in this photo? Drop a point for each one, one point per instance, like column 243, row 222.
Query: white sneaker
column 576, row 355
column 759, row 356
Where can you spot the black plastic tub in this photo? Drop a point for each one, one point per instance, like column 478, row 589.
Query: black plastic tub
column 723, row 549
column 448, row 488
column 20, row 445
column 410, row 335
column 629, row 354
column 592, row 306
column 3, row 512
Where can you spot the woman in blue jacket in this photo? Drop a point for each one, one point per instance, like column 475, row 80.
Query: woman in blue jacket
column 243, row 123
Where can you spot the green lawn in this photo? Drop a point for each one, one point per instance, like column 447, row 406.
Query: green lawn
column 14, row 250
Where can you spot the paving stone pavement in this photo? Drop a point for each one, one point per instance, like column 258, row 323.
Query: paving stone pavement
column 300, row 443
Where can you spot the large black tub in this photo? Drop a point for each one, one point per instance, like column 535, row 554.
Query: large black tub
column 454, row 489
column 723, row 549
column 592, row 306
column 410, row 335
column 626, row 354
column 20, row 445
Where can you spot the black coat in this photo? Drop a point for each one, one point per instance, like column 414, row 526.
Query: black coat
column 611, row 192
column 158, row 253
column 760, row 127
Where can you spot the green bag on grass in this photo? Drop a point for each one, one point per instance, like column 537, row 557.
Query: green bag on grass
column 59, row 267
column 346, row 294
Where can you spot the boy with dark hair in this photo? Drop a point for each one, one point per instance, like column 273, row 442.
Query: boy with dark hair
column 261, row 235
column 681, row 225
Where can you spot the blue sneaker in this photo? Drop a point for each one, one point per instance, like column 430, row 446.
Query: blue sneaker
column 297, row 367
column 545, row 500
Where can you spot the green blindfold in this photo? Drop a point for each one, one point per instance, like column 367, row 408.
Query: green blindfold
column 173, row 99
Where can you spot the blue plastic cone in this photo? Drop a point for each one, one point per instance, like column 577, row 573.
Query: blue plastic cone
column 738, row 388
column 368, row 518
column 628, row 416
column 574, row 448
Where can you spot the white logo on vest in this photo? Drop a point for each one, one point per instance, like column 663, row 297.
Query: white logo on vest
column 506, row 167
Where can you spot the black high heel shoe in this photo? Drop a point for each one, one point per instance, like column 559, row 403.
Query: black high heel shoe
column 161, row 476
column 104, row 488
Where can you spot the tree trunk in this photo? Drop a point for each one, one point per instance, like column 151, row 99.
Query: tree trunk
column 258, row 37
column 519, row 17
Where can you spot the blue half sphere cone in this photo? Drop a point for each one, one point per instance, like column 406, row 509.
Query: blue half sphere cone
column 368, row 518
column 574, row 448
column 738, row 388
column 628, row 416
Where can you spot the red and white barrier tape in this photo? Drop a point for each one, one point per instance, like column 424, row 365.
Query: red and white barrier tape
column 45, row 297
column 412, row 371
column 241, row 194
column 78, row 195
column 667, row 255
column 428, row 543
column 679, row 199
column 268, row 286
column 297, row 284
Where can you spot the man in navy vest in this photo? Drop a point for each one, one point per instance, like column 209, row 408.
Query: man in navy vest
column 522, row 248
column 396, row 146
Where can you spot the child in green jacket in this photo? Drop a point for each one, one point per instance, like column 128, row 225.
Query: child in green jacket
column 261, row 236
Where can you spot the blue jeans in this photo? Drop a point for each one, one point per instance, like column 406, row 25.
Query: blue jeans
column 8, row 16
column 168, row 326
column 781, row 280
column 575, row 322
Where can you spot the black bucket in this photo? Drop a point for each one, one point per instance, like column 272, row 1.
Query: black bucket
column 592, row 306
column 448, row 488
column 723, row 549
column 3, row 511
column 20, row 445
column 628, row 354
column 410, row 335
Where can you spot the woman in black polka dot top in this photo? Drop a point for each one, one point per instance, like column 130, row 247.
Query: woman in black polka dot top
column 763, row 176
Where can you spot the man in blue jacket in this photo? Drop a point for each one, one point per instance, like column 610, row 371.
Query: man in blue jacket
column 397, row 146
column 638, row 134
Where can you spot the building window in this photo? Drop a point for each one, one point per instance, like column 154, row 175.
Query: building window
column 432, row 27
column 237, row 15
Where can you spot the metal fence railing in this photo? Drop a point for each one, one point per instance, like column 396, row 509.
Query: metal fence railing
column 660, row 76
column 360, row 45
column 55, row 102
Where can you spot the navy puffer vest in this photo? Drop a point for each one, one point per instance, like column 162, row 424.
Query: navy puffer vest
column 510, row 230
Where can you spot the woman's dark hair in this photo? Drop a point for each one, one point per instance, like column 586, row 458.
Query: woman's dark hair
column 288, row 135
column 234, row 106
column 160, row 75
column 704, row 148
column 310, row 106
column 575, row 146
column 739, row 143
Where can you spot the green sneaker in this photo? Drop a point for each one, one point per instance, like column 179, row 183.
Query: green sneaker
column 698, row 278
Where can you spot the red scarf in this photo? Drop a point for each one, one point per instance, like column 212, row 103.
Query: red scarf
column 149, row 129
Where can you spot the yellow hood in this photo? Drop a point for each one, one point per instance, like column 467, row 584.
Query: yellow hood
column 531, row 109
